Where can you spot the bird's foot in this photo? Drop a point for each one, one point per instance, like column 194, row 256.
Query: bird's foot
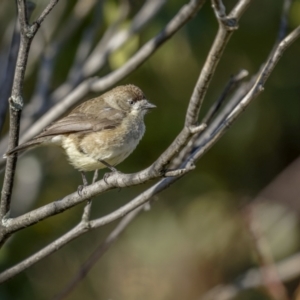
column 113, row 170
column 82, row 186
column 107, row 175
column 80, row 189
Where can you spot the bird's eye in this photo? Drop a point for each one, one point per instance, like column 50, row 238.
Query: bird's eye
column 131, row 102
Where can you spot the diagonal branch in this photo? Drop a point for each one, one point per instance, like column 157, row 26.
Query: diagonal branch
column 46, row 11
column 99, row 252
column 270, row 276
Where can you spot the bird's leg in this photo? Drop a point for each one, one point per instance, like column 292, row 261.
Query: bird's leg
column 88, row 207
column 113, row 169
column 95, row 176
column 85, row 183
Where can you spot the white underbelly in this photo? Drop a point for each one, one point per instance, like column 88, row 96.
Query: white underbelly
column 91, row 161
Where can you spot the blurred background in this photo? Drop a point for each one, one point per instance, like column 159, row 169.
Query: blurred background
column 196, row 235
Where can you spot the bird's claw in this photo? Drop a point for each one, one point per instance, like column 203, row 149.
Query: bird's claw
column 80, row 189
column 107, row 175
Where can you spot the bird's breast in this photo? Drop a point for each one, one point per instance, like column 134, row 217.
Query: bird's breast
column 85, row 150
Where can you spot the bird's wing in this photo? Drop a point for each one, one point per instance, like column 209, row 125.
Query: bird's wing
column 108, row 118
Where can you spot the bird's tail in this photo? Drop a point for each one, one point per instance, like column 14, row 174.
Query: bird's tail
column 22, row 147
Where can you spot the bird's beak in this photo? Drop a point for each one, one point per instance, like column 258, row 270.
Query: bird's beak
column 149, row 105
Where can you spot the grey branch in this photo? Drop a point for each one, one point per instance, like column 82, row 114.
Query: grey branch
column 6, row 85
column 270, row 276
column 99, row 252
column 46, row 11
column 288, row 269
column 16, row 103
column 158, row 169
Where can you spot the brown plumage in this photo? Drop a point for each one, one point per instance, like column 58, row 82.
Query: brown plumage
column 100, row 132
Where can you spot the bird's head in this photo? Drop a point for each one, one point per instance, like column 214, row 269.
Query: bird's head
column 129, row 98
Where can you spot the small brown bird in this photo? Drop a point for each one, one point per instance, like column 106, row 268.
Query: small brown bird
column 100, row 132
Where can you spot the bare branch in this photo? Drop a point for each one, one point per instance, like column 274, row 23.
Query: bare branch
column 269, row 273
column 215, row 53
column 116, row 180
column 16, row 104
column 187, row 150
column 231, row 85
column 102, row 84
column 240, row 8
column 82, row 227
column 99, row 252
column 213, row 134
column 138, row 201
column 41, row 101
column 46, row 11
column 54, row 246
column 197, row 97
column 187, row 12
column 288, row 269
column 220, row 12
column 5, row 89
column 179, row 172
column 198, row 129
column 87, row 209
column 284, row 19
column 208, row 138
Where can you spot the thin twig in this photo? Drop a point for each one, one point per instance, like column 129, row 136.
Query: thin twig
column 215, row 53
column 83, row 227
column 46, row 11
column 230, row 86
column 187, row 150
column 220, row 12
column 5, row 89
column 212, row 134
column 84, row 47
column 16, row 105
column 87, row 209
column 284, row 19
column 288, row 270
column 223, row 35
column 270, row 276
column 98, row 253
